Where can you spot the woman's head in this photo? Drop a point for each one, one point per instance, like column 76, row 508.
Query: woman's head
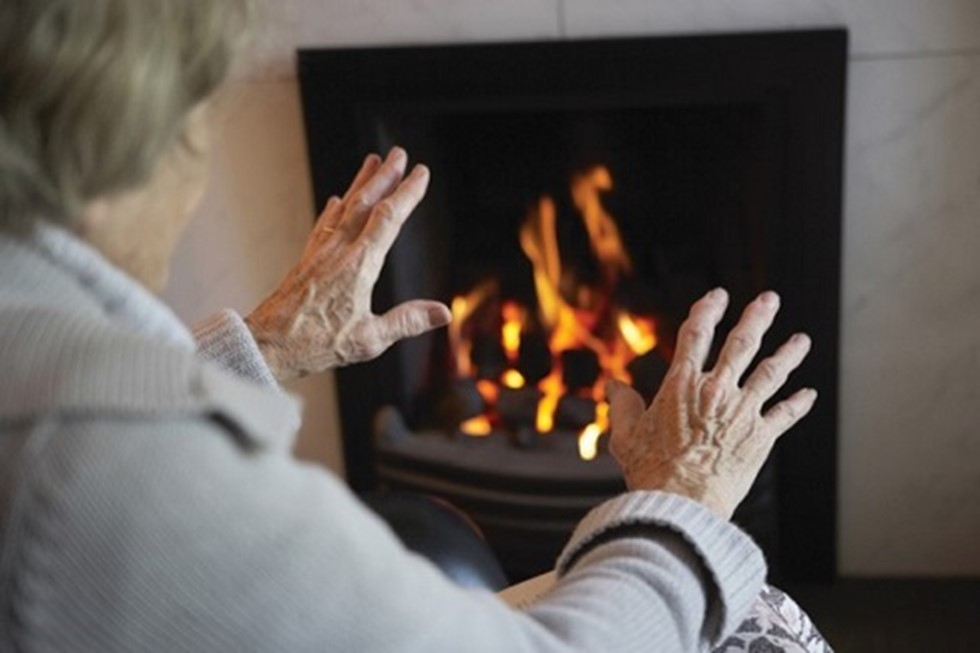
column 95, row 94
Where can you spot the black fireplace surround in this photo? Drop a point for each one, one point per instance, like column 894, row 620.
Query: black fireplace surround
column 726, row 153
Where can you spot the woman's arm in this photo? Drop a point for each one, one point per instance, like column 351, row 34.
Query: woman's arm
column 217, row 541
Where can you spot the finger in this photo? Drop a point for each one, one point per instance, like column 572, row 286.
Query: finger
column 387, row 218
column 744, row 341
column 698, row 330
column 625, row 408
column 384, row 180
column 371, row 164
column 781, row 417
column 410, row 319
column 770, row 375
column 329, row 217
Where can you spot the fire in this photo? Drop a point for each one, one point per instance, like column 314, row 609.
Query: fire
column 513, row 379
column 539, row 240
column 588, row 442
column 462, row 308
column 637, row 332
column 510, row 332
column 477, row 426
column 603, row 232
column 552, row 389
column 575, row 317
column 489, row 391
column 588, row 439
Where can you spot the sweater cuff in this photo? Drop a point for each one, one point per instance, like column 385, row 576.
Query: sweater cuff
column 225, row 340
column 733, row 561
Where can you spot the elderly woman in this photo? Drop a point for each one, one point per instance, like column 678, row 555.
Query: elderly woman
column 148, row 500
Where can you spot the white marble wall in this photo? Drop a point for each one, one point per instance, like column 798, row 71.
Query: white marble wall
column 910, row 459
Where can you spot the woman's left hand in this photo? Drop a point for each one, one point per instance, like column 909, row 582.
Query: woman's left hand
column 320, row 316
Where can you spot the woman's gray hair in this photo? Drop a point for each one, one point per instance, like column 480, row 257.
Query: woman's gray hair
column 93, row 93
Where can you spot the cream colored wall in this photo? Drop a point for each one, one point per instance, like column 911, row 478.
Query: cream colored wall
column 910, row 387
column 252, row 227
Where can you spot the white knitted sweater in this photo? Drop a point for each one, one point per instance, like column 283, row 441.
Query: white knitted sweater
column 149, row 502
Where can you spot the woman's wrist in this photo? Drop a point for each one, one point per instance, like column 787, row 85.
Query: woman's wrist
column 683, row 481
column 272, row 352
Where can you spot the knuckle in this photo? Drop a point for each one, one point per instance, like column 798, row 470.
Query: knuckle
column 681, row 371
column 371, row 348
column 741, row 342
column 409, row 324
column 791, row 411
column 713, row 392
column 361, row 201
column 787, row 411
column 696, row 333
column 770, row 372
column 385, row 211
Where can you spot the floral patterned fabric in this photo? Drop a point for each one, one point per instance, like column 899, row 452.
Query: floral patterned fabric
column 776, row 624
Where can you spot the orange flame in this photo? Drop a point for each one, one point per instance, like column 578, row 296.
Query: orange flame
column 552, row 388
column 539, row 240
column 588, row 439
column 603, row 232
column 488, row 390
column 462, row 308
column 638, row 333
column 510, row 332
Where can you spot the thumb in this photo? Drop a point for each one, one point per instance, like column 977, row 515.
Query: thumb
column 625, row 408
column 412, row 318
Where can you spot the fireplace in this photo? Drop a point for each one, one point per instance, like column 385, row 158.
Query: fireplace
column 583, row 195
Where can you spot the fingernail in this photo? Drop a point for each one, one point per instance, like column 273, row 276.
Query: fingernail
column 769, row 298
column 716, row 293
column 420, row 171
column 800, row 338
column 812, row 393
column 439, row 316
column 397, row 153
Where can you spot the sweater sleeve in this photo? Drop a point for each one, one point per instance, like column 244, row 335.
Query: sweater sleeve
column 225, row 340
column 229, row 549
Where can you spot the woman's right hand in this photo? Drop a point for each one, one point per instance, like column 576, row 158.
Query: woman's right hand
column 320, row 316
column 705, row 436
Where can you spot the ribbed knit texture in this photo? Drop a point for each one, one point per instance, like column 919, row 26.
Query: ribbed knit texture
column 149, row 503
column 224, row 339
column 701, row 529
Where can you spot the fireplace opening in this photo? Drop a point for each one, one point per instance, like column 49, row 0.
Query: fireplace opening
column 583, row 195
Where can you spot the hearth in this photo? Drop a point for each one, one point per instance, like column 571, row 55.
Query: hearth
column 583, row 195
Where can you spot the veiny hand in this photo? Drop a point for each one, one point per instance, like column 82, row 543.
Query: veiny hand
column 704, row 436
column 320, row 316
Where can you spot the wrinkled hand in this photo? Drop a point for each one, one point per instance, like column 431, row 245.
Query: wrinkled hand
column 320, row 316
column 704, row 436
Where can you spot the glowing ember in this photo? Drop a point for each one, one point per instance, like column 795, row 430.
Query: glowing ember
column 489, row 390
column 513, row 379
column 588, row 442
column 477, row 426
